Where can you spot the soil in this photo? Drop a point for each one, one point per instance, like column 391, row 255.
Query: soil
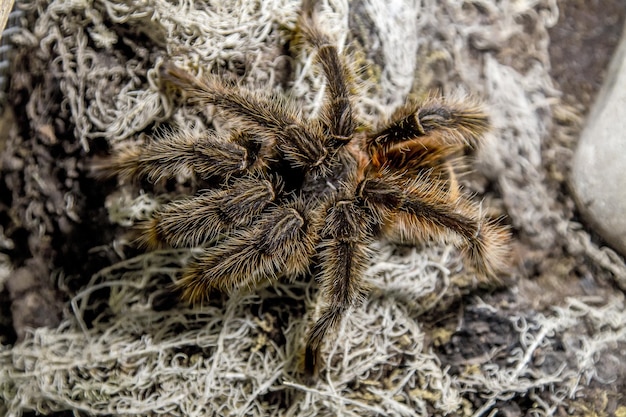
column 581, row 46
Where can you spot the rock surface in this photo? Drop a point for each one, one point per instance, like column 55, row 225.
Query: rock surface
column 599, row 168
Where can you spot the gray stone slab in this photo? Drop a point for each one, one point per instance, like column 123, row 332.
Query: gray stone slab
column 599, row 168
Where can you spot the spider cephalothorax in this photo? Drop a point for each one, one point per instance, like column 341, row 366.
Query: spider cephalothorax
column 292, row 196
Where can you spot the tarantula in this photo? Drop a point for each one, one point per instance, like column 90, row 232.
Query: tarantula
column 291, row 196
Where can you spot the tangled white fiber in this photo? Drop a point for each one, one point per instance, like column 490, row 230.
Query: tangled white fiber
column 116, row 354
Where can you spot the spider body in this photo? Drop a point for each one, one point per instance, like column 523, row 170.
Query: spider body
column 291, row 196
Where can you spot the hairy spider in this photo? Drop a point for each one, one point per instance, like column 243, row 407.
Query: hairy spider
column 290, row 196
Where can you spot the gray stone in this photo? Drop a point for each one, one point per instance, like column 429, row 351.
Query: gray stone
column 599, row 169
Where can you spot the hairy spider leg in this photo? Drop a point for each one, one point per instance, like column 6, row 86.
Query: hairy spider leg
column 282, row 242
column 437, row 127
column 337, row 116
column 207, row 155
column 256, row 113
column 201, row 219
column 343, row 257
column 426, row 212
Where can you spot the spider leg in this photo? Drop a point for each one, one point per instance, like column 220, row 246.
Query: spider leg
column 337, row 112
column 424, row 211
column 438, row 127
column 259, row 114
column 207, row 155
column 194, row 221
column 435, row 160
column 282, row 242
column 343, row 254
